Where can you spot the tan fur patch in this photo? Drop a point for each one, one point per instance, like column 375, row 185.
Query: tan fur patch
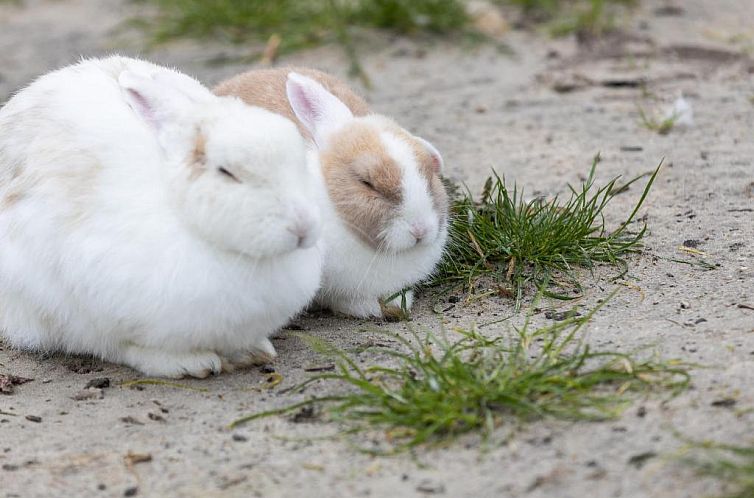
column 197, row 161
column 11, row 199
column 356, row 155
column 18, row 187
column 266, row 88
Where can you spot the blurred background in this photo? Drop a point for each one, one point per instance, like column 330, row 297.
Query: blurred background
column 452, row 70
column 50, row 32
column 495, row 83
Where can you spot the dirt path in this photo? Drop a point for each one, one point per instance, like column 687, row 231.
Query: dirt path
column 484, row 110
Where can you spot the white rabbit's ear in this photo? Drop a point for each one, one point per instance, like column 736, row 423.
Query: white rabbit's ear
column 438, row 162
column 155, row 101
column 191, row 88
column 320, row 111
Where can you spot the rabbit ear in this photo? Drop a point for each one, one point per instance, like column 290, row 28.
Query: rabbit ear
column 438, row 162
column 191, row 88
column 158, row 102
column 319, row 111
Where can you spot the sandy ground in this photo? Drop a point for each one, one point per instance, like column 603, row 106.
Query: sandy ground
column 483, row 109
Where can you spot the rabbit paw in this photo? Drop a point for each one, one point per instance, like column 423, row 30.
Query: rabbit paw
column 397, row 301
column 398, row 308
column 262, row 352
column 175, row 365
column 367, row 308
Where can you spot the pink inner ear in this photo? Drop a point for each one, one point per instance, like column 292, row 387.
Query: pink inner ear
column 436, row 164
column 304, row 103
column 143, row 107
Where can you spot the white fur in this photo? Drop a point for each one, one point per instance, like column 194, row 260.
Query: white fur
column 356, row 277
column 416, row 210
column 113, row 248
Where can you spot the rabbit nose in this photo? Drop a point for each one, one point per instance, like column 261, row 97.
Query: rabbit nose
column 419, row 231
column 306, row 226
column 302, row 233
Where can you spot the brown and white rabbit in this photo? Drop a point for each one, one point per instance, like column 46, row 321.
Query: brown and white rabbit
column 385, row 222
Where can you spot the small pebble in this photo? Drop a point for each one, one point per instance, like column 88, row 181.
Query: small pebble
column 429, row 487
column 99, row 383
column 89, row 393
column 131, row 420
column 267, row 369
column 34, row 418
column 156, row 417
column 692, row 243
column 725, row 402
column 641, row 459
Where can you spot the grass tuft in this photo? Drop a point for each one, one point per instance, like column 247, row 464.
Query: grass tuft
column 287, row 25
column 297, row 24
column 241, row 20
column 519, row 243
column 446, row 384
column 732, row 465
column 303, row 23
column 662, row 126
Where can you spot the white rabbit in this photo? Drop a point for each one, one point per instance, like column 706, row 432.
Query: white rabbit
column 385, row 225
column 149, row 222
